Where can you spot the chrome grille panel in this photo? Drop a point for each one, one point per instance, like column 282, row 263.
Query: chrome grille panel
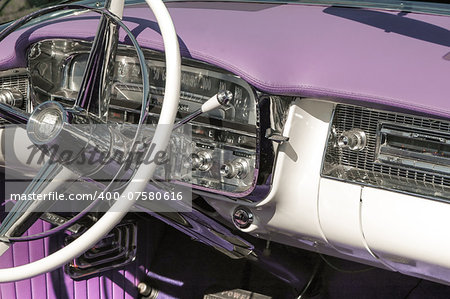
column 362, row 167
column 19, row 82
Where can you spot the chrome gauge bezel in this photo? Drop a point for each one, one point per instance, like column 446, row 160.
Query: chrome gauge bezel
column 262, row 174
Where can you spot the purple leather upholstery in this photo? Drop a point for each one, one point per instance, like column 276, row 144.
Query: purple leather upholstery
column 113, row 284
column 378, row 57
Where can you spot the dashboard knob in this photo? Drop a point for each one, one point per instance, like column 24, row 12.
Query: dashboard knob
column 201, row 161
column 237, row 168
column 354, row 139
column 12, row 97
column 242, row 217
column 227, row 170
column 224, row 97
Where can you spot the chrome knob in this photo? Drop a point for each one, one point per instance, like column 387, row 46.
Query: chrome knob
column 12, row 97
column 242, row 217
column 224, row 97
column 354, row 139
column 201, row 161
column 237, row 168
column 227, row 170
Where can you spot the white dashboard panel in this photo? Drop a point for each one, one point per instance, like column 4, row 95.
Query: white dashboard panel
column 407, row 232
column 291, row 208
column 296, row 179
column 339, row 214
column 383, row 228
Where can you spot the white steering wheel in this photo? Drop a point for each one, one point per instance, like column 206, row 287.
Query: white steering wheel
column 145, row 171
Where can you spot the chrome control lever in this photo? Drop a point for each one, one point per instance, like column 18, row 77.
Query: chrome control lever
column 59, row 131
column 222, row 98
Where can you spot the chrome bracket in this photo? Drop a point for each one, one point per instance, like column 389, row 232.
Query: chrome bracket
column 115, row 250
column 275, row 136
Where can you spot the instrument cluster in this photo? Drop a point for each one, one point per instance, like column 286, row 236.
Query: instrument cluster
column 222, row 153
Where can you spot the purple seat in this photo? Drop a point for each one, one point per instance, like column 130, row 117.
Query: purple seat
column 119, row 283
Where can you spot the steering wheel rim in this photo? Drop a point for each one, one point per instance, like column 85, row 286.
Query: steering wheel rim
column 143, row 173
column 142, row 117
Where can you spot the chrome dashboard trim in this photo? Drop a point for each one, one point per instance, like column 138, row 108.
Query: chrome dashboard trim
column 14, row 72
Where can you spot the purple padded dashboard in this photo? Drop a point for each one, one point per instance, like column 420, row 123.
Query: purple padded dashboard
column 380, row 57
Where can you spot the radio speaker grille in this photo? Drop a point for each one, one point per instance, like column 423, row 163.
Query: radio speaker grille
column 362, row 167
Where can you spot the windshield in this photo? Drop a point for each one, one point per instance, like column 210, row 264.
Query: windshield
column 11, row 10
column 424, row 6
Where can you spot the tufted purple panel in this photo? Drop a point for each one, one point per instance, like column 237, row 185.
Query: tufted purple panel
column 113, row 284
column 373, row 56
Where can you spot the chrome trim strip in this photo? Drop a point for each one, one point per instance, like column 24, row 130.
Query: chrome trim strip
column 13, row 115
column 14, row 72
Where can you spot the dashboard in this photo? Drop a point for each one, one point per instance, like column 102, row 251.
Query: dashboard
column 360, row 166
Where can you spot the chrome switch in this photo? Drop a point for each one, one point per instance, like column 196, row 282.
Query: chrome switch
column 237, row 168
column 201, row 161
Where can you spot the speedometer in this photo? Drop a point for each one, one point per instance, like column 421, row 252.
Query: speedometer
column 197, row 86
